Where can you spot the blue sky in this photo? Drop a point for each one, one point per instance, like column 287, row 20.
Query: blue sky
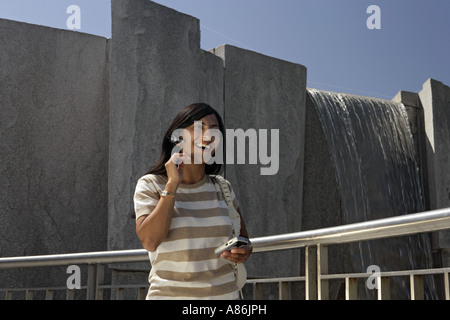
column 329, row 37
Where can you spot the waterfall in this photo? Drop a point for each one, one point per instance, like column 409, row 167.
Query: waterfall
column 377, row 173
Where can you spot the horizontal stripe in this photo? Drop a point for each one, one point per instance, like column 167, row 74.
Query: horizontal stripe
column 186, row 244
column 144, row 203
column 207, row 187
column 212, row 203
column 199, row 196
column 143, row 211
column 189, row 255
column 196, row 276
column 193, row 292
column 200, row 232
column 190, row 209
column 146, row 196
column 201, row 282
column 193, row 266
column 201, row 205
column 227, row 296
column 181, row 222
column 200, row 213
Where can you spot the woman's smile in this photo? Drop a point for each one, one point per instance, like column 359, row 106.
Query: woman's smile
column 203, row 146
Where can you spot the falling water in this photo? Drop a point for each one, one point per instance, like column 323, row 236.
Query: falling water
column 377, row 173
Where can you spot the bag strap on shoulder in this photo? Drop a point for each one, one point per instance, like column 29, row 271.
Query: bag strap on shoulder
column 225, row 189
column 234, row 215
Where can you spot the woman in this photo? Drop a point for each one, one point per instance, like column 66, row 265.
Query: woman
column 182, row 217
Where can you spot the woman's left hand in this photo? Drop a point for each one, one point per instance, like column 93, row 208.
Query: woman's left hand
column 238, row 255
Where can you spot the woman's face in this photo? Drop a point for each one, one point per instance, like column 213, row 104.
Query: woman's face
column 204, row 138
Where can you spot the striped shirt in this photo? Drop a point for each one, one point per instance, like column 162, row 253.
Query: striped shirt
column 184, row 266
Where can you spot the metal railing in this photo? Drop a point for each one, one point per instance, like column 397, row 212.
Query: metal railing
column 315, row 243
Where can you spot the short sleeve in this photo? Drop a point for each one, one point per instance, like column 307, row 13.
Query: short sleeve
column 146, row 196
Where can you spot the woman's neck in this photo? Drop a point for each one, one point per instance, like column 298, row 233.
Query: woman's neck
column 193, row 173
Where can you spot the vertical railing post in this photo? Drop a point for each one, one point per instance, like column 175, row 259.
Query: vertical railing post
column 284, row 290
column 322, row 269
column 29, row 294
column 257, row 291
column 384, row 290
column 142, row 293
column 310, row 273
column 99, row 281
column 416, row 285
column 8, row 295
column 91, row 282
column 447, row 285
column 351, row 289
column 48, row 294
column 120, row 293
column 69, row 294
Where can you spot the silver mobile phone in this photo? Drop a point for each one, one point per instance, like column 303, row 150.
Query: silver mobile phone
column 232, row 243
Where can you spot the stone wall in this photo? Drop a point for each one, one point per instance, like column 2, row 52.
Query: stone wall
column 262, row 92
column 54, row 110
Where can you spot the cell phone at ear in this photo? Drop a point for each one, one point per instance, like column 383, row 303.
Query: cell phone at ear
column 232, row 243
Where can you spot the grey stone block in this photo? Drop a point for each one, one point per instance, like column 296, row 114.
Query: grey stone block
column 435, row 99
column 157, row 68
column 267, row 93
column 54, row 146
column 54, row 141
column 409, row 99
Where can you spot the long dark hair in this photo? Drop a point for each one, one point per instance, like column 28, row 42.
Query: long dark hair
column 184, row 119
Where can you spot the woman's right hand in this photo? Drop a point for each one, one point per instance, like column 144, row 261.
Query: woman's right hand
column 174, row 169
column 153, row 228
